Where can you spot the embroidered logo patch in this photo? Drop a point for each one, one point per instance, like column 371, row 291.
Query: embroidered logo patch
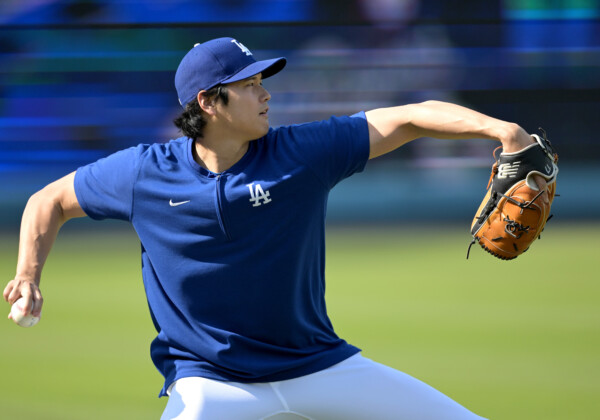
column 508, row 170
column 257, row 194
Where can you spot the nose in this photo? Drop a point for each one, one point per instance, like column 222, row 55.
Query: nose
column 265, row 96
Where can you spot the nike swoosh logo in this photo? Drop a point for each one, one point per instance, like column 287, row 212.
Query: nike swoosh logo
column 179, row 203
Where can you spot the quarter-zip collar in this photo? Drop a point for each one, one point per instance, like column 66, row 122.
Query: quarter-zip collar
column 236, row 168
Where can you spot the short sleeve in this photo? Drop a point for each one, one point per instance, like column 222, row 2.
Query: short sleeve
column 334, row 149
column 104, row 189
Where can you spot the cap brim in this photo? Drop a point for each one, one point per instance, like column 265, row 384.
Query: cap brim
column 268, row 68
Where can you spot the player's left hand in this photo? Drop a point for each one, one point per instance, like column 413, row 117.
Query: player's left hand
column 517, row 204
column 517, row 141
column 542, row 186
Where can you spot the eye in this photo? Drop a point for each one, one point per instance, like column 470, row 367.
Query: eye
column 254, row 83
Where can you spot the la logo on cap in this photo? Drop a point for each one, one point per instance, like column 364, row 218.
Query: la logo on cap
column 218, row 62
column 242, row 47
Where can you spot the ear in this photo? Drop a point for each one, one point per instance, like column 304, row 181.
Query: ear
column 207, row 103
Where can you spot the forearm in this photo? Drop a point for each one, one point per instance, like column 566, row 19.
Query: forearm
column 40, row 224
column 390, row 128
column 45, row 212
column 445, row 120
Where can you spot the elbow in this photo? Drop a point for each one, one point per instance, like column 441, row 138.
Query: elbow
column 46, row 200
column 39, row 199
column 431, row 103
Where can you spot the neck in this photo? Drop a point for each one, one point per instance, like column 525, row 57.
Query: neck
column 218, row 155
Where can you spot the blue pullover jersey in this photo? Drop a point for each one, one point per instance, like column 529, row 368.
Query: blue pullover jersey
column 233, row 263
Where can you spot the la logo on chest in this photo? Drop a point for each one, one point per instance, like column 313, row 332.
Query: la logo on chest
column 258, row 196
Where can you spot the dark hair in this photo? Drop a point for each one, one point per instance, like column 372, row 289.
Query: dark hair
column 191, row 122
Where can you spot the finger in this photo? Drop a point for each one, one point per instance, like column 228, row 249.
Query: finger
column 26, row 293
column 543, row 186
column 14, row 294
column 17, row 289
column 8, row 289
column 21, row 289
column 38, row 302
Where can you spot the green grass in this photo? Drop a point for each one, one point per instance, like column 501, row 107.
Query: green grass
column 509, row 340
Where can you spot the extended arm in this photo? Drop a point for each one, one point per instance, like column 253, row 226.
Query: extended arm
column 45, row 212
column 390, row 128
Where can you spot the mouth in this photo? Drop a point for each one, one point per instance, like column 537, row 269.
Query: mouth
column 264, row 113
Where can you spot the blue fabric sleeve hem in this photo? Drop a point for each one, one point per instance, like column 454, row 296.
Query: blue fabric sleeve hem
column 367, row 144
column 82, row 203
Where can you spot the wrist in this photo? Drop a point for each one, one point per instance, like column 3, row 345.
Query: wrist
column 28, row 277
column 514, row 138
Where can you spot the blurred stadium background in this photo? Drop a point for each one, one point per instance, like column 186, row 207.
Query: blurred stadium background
column 81, row 79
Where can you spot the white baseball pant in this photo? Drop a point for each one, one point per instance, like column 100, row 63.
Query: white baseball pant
column 355, row 389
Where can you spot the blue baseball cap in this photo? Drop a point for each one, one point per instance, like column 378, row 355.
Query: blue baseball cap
column 221, row 60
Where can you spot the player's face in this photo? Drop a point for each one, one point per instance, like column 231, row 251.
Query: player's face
column 247, row 111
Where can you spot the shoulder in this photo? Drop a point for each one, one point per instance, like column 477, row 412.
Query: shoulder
column 166, row 149
column 131, row 160
column 170, row 152
column 321, row 126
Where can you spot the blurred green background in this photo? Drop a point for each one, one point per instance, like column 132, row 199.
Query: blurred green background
column 509, row 340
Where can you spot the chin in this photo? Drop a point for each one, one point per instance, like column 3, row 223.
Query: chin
column 263, row 131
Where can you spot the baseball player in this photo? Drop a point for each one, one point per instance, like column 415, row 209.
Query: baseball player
column 231, row 221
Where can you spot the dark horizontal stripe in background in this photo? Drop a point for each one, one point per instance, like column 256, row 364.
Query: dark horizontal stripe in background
column 79, row 80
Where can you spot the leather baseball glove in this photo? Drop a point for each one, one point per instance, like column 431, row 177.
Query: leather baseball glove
column 512, row 214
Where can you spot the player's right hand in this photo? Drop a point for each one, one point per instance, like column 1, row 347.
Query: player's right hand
column 28, row 289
